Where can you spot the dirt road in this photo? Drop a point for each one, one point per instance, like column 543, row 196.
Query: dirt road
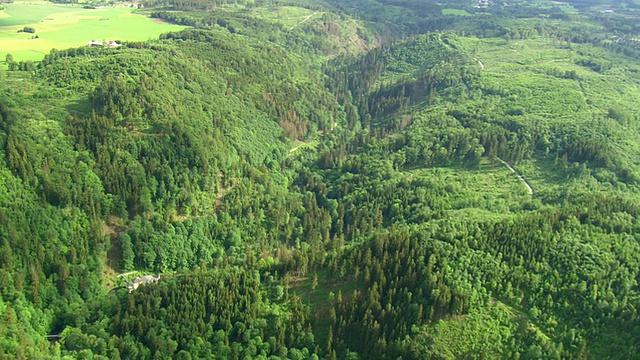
column 524, row 181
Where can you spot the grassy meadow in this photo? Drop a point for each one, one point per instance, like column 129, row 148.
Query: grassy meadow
column 65, row 26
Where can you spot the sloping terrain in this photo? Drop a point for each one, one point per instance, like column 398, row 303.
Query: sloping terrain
column 313, row 181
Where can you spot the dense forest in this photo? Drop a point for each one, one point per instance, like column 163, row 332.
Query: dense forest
column 363, row 179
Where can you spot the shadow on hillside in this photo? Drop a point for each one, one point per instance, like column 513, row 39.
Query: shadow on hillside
column 80, row 108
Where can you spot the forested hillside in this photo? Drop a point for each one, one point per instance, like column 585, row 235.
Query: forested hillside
column 322, row 180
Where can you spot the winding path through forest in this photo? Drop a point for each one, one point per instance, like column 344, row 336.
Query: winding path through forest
column 305, row 19
column 479, row 63
column 524, row 181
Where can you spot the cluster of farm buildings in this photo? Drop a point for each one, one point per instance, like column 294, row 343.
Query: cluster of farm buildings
column 111, row 44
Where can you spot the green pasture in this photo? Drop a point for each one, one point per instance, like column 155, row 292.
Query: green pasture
column 65, row 26
column 27, row 13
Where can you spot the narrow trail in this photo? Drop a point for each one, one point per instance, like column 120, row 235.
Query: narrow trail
column 467, row 86
column 305, row 19
column 524, row 181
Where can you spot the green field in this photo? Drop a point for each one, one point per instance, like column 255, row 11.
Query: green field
column 547, row 4
column 65, row 26
column 24, row 14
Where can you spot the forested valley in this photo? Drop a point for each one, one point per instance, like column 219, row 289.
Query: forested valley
column 363, row 179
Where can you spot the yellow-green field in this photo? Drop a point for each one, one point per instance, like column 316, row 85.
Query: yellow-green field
column 65, row 26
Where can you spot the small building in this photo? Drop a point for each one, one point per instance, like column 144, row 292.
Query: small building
column 113, row 44
column 143, row 280
column 94, row 43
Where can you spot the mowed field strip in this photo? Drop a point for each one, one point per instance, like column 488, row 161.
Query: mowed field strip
column 65, row 26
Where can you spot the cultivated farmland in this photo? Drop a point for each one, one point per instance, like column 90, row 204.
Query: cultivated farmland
column 65, row 26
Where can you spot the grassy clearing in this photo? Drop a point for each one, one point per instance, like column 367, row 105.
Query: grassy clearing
column 300, row 145
column 288, row 16
column 349, row 36
column 61, row 27
column 491, row 187
column 454, row 337
column 457, row 12
column 483, row 332
column 526, row 68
